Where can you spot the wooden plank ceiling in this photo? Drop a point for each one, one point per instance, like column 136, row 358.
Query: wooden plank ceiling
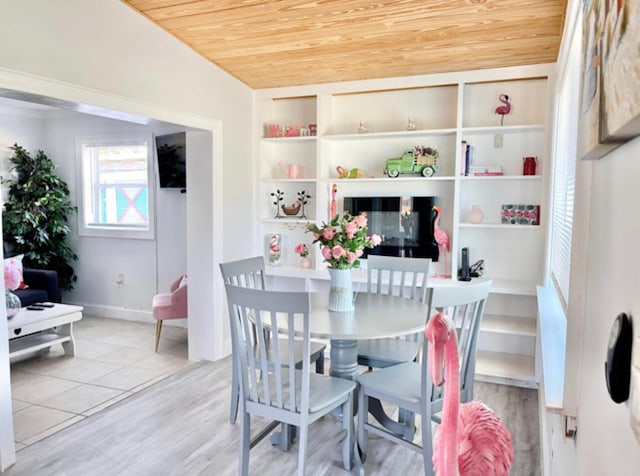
column 276, row 43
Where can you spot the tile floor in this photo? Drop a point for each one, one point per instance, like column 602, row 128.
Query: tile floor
column 114, row 359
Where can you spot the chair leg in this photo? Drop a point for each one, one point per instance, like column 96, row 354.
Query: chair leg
column 347, row 424
column 320, row 364
column 302, row 449
column 235, row 395
column 158, row 330
column 245, row 443
column 363, row 414
column 427, row 444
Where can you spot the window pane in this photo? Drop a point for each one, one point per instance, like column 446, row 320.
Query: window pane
column 115, row 185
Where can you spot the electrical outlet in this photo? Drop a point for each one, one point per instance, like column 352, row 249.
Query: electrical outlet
column 120, row 279
column 497, row 141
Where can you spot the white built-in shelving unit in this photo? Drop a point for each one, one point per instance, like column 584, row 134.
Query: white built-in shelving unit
column 446, row 110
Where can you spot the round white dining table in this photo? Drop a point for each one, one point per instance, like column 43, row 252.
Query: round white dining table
column 375, row 316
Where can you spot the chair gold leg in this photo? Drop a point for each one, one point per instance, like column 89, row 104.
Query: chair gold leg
column 158, row 330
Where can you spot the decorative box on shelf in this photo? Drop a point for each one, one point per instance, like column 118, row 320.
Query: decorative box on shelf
column 485, row 170
column 521, row 214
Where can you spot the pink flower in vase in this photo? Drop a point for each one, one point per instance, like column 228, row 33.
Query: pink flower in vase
column 350, row 229
column 337, row 252
column 302, row 250
column 361, row 221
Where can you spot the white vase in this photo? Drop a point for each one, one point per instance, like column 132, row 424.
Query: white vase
column 306, row 262
column 475, row 215
column 341, row 290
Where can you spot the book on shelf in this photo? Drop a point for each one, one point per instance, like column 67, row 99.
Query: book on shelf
column 466, row 154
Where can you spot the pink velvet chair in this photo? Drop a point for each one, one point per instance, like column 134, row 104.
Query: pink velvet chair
column 171, row 305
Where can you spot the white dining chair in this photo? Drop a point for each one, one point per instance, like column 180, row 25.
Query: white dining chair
column 271, row 386
column 250, row 273
column 408, row 385
column 406, row 277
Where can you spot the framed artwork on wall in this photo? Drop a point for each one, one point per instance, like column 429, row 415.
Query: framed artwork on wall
column 610, row 101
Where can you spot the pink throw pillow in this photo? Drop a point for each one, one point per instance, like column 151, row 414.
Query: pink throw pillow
column 13, row 273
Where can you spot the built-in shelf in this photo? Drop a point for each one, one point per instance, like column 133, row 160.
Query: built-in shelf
column 390, row 134
column 444, row 114
column 512, row 286
column 480, row 178
column 503, row 129
column 501, row 226
column 522, row 326
column 288, row 180
column 503, row 368
column 290, row 139
column 288, row 221
column 400, row 179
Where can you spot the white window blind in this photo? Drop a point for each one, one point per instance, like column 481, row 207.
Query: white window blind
column 564, row 173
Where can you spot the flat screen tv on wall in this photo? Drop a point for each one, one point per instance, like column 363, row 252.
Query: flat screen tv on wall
column 172, row 160
column 404, row 223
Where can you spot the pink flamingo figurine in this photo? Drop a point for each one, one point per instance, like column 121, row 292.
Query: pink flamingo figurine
column 505, row 108
column 442, row 239
column 472, row 438
column 333, row 212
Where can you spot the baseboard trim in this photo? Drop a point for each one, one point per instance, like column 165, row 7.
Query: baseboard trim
column 110, row 312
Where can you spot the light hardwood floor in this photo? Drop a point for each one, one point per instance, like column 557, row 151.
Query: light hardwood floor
column 179, row 426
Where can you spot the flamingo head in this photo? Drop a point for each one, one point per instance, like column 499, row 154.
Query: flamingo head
column 504, row 97
column 437, row 332
column 437, row 209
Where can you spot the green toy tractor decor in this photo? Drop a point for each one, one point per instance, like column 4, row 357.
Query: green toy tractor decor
column 419, row 160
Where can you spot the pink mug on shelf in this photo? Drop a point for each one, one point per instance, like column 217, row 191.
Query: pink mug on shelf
column 293, row 171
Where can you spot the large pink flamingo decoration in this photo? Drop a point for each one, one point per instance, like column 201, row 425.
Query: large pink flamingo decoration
column 505, row 108
column 472, row 439
column 442, row 238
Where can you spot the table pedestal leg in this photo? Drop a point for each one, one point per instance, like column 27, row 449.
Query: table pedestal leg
column 344, row 358
column 344, row 364
column 405, row 427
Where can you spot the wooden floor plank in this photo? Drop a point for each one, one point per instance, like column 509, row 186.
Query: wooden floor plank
column 179, row 426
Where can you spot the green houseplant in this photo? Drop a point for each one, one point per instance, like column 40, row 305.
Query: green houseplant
column 35, row 215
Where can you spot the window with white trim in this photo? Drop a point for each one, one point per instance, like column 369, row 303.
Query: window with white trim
column 564, row 173
column 115, row 190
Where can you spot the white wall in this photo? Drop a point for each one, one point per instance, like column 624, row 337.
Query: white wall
column 18, row 126
column 100, row 260
column 605, row 442
column 100, row 52
column 610, row 231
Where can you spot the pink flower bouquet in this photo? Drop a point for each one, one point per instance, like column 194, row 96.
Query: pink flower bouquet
column 302, row 250
column 343, row 240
